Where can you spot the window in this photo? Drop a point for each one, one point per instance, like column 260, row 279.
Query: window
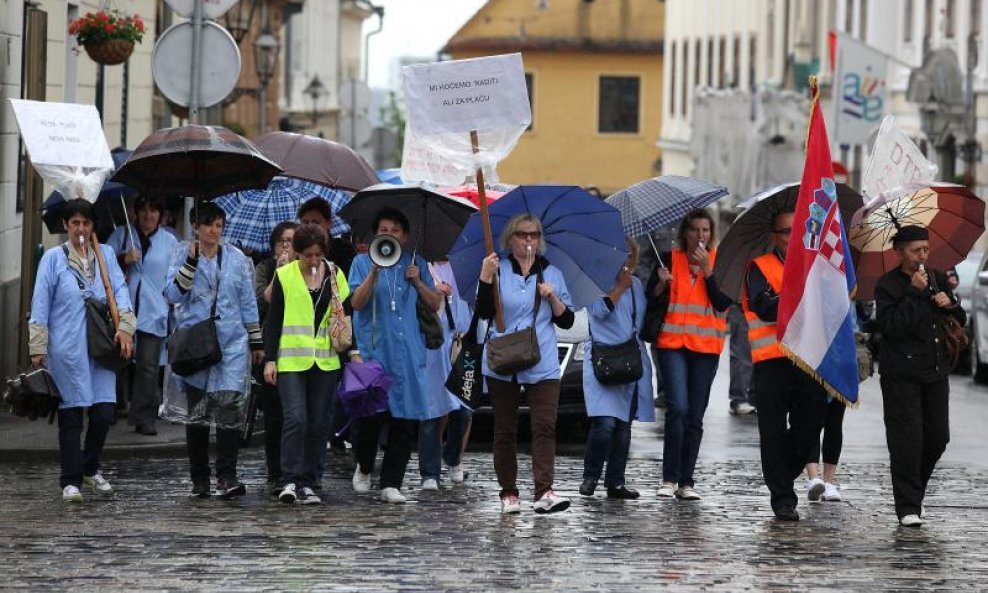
column 975, row 17
column 697, row 58
column 907, row 24
column 530, row 87
column 949, row 15
column 863, row 21
column 618, row 104
column 722, row 62
column 752, row 61
column 710, row 63
column 736, row 80
column 673, row 80
column 683, row 107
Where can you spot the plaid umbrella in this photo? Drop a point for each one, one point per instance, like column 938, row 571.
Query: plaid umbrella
column 652, row 204
column 253, row 214
column 954, row 217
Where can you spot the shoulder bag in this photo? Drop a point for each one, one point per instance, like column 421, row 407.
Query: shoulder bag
column 197, row 347
column 340, row 325
column 33, row 395
column 518, row 350
column 618, row 364
column 655, row 314
column 955, row 338
column 465, row 379
column 100, row 331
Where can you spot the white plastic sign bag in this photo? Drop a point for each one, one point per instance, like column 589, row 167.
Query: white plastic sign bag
column 895, row 161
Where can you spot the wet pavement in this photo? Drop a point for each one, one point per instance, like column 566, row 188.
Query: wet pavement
column 152, row 536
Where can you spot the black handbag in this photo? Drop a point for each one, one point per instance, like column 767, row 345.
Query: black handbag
column 617, row 364
column 197, row 347
column 465, row 380
column 655, row 314
column 429, row 325
column 33, row 395
column 100, row 331
column 511, row 353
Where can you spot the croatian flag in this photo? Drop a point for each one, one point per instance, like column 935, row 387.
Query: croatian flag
column 816, row 315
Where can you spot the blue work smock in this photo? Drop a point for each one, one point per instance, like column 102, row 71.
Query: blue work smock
column 395, row 339
column 59, row 305
column 236, row 306
column 148, row 275
column 612, row 328
column 438, row 361
column 518, row 302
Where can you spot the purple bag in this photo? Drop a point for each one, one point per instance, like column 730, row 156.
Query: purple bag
column 363, row 391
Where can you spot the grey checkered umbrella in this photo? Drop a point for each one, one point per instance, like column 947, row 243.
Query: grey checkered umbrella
column 654, row 203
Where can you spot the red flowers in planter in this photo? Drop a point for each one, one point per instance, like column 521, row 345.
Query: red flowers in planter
column 98, row 27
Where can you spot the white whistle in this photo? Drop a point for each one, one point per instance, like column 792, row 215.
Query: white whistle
column 314, row 271
column 82, row 241
column 922, row 267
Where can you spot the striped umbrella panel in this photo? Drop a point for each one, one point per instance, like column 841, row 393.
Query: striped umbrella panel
column 654, row 203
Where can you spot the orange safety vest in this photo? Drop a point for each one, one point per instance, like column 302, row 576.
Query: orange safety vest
column 691, row 321
column 762, row 334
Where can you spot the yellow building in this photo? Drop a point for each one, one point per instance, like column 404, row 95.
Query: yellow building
column 594, row 69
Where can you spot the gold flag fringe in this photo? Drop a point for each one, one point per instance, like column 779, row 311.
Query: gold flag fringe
column 806, row 368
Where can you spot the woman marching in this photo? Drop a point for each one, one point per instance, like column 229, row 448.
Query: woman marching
column 67, row 276
column 533, row 294
column 210, row 280
column 615, row 319
column 689, row 346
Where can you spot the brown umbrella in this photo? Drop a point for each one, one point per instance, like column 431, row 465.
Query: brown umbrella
column 954, row 217
column 196, row 161
column 318, row 160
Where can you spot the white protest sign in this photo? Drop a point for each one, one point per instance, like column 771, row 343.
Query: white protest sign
column 62, row 134
column 859, row 90
column 895, row 160
column 463, row 95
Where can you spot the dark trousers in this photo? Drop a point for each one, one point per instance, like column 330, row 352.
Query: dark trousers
column 145, row 394
column 305, row 397
column 688, row 376
column 456, row 428
column 833, row 435
column 273, row 423
column 742, row 368
column 227, row 448
column 82, row 460
column 791, row 406
column 402, row 438
column 917, row 429
column 543, row 402
column 609, row 440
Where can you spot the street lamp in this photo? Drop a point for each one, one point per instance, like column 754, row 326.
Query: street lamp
column 315, row 91
column 238, row 19
column 266, row 48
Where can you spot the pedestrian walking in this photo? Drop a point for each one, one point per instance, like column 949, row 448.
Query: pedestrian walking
column 614, row 320
column 68, row 275
column 790, row 402
column 210, row 280
column 144, row 252
column 689, row 346
column 269, row 402
column 304, row 362
column 913, row 304
column 533, row 295
column 742, row 367
column 386, row 325
column 833, row 441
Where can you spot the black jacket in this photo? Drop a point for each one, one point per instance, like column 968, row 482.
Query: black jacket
column 913, row 345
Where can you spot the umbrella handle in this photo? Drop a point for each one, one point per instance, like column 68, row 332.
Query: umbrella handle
column 656, row 250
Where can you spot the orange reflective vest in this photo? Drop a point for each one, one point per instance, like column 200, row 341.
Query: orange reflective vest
column 691, row 321
column 762, row 334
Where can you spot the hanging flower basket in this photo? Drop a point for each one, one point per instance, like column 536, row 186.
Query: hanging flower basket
column 110, row 52
column 108, row 37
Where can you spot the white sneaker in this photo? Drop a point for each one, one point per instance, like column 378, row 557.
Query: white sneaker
column 71, row 494
column 456, row 474
column 666, row 490
column 97, row 484
column 831, row 493
column 308, row 496
column 393, row 495
column 815, row 489
column 430, row 484
column 911, row 521
column 687, row 493
column 550, row 502
column 361, row 481
column 742, row 409
column 288, row 494
column 510, row 504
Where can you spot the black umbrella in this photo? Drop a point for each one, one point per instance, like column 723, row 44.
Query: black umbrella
column 751, row 234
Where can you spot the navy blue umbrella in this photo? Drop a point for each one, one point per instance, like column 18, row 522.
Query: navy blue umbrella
column 582, row 233
column 108, row 208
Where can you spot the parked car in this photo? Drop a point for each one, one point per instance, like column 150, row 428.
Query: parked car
column 973, row 292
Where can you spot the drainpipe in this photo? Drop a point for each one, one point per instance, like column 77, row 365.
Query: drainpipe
column 379, row 11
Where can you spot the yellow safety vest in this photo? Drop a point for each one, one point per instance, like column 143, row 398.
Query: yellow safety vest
column 301, row 346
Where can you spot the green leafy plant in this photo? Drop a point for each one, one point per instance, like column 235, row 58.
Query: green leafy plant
column 97, row 27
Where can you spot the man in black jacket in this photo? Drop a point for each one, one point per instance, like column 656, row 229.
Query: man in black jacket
column 914, row 364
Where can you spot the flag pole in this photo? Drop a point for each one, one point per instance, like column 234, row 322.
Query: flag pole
column 488, row 236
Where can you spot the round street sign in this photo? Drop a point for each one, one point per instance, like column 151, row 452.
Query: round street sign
column 171, row 64
column 355, row 96
column 211, row 9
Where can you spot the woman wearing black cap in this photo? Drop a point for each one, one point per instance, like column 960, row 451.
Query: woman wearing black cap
column 914, row 363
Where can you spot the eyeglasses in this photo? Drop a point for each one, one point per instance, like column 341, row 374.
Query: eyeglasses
column 284, row 241
column 531, row 235
column 783, row 232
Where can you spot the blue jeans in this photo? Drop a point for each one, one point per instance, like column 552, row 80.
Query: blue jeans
column 433, row 450
column 688, row 376
column 608, row 440
column 456, row 428
column 305, row 396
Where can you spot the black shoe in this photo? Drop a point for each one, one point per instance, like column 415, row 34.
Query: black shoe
column 622, row 492
column 200, row 487
column 272, row 488
column 786, row 514
column 146, row 430
column 587, row 487
column 230, row 488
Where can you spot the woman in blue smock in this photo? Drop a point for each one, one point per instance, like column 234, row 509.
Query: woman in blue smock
column 67, row 276
column 200, row 272
column 145, row 252
column 386, row 324
column 525, row 280
column 614, row 319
